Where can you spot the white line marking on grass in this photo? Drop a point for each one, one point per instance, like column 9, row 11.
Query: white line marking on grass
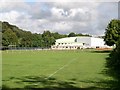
column 61, row 68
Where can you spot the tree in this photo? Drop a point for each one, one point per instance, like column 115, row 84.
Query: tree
column 36, row 40
column 48, row 39
column 112, row 36
column 72, row 34
column 9, row 38
column 0, row 39
column 0, row 26
column 26, row 41
column 114, row 62
column 112, row 32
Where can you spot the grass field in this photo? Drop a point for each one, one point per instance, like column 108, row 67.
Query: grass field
column 54, row 69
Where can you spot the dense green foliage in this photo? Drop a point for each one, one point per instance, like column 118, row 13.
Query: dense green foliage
column 113, row 63
column 14, row 36
column 112, row 33
column 72, row 34
column 29, row 69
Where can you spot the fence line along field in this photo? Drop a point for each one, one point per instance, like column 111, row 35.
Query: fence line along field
column 54, row 69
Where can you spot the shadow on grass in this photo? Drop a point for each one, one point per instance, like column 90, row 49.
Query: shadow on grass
column 104, row 84
column 101, row 51
column 111, row 71
column 35, row 82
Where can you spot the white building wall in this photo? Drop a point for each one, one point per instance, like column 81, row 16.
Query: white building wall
column 85, row 40
column 97, row 42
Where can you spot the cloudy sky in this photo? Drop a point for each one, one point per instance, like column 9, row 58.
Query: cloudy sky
column 88, row 17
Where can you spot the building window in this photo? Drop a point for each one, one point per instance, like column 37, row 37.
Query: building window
column 97, row 47
column 78, row 47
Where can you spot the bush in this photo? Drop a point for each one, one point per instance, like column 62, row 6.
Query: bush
column 114, row 61
column 113, row 65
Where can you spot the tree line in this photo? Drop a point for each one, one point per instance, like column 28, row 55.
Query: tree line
column 14, row 36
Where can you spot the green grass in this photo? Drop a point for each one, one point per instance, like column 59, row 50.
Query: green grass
column 70, row 69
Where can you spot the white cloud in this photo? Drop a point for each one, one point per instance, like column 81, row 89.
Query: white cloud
column 77, row 0
column 14, row 16
column 10, row 16
column 57, row 13
column 6, row 6
column 79, row 14
column 62, row 17
column 63, row 26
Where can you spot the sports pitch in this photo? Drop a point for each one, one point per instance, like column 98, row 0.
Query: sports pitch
column 54, row 69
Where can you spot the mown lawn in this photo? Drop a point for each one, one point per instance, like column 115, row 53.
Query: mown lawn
column 54, row 69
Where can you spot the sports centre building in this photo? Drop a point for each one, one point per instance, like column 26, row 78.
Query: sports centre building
column 79, row 43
